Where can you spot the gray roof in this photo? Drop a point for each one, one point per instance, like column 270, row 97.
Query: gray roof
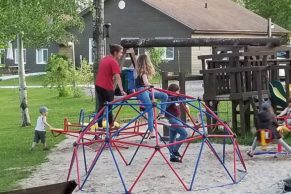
column 219, row 16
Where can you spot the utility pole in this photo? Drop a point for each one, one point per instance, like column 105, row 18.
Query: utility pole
column 98, row 38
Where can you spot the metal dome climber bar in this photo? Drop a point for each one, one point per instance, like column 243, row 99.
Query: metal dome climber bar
column 199, row 135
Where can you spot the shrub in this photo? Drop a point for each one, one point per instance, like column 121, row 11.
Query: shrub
column 59, row 74
column 82, row 76
column 156, row 57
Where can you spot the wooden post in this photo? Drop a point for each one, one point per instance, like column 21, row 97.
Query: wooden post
column 182, row 83
column 234, row 116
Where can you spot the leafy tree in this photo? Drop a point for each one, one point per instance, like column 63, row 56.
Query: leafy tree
column 36, row 23
column 156, row 57
column 279, row 11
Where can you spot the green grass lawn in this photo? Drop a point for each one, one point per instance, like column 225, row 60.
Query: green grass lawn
column 38, row 81
column 16, row 160
column 30, row 81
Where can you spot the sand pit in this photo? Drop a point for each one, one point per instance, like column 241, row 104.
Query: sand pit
column 265, row 173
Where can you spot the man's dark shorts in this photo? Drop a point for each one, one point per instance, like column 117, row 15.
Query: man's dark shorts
column 39, row 135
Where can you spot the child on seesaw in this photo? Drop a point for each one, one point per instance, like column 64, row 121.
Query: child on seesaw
column 39, row 132
column 177, row 126
column 266, row 119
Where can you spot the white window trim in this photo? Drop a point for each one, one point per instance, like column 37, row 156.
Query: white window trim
column 134, row 38
column 16, row 56
column 37, row 59
column 2, row 51
column 164, row 56
column 91, row 51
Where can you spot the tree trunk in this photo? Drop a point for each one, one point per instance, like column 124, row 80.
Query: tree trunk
column 98, row 46
column 22, row 83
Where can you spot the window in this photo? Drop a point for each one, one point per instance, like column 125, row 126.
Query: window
column 136, row 50
column 168, row 53
column 16, row 56
column 41, row 56
column 2, row 56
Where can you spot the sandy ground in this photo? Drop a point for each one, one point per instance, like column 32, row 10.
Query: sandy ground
column 265, row 173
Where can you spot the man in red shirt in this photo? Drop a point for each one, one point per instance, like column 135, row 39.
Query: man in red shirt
column 108, row 76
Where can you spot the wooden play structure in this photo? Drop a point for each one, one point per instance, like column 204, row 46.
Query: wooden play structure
column 238, row 70
column 242, row 75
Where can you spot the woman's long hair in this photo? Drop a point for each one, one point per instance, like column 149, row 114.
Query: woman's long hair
column 145, row 66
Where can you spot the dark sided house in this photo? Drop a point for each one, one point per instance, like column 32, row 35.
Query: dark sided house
column 165, row 19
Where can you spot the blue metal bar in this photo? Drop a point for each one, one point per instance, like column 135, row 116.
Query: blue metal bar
column 139, row 112
column 184, row 123
column 201, row 117
column 81, row 117
column 93, row 164
column 127, row 104
column 131, row 160
column 203, row 110
column 84, row 155
column 215, row 153
column 129, row 123
column 196, row 164
column 117, row 167
column 270, row 152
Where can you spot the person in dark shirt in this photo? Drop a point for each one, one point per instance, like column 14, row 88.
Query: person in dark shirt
column 173, row 114
column 145, row 71
column 266, row 119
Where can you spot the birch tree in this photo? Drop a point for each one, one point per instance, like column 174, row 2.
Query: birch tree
column 36, row 23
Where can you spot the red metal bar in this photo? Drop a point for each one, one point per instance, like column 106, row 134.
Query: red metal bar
column 234, row 162
column 186, row 148
column 220, row 136
column 78, row 170
column 133, row 144
column 121, row 155
column 155, row 116
column 175, row 94
column 127, row 137
column 141, row 173
column 91, row 142
column 216, row 117
column 71, row 164
column 177, row 175
column 182, row 141
column 128, row 96
column 241, row 158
